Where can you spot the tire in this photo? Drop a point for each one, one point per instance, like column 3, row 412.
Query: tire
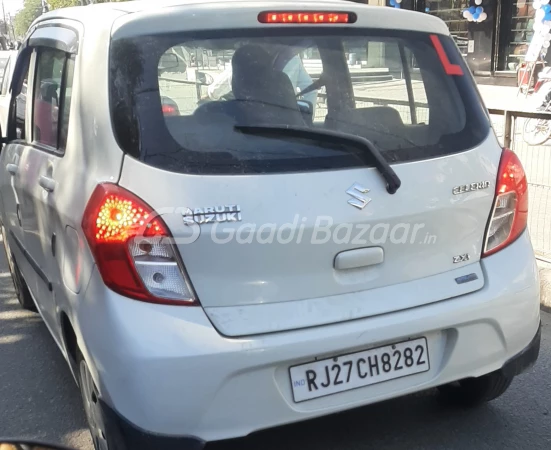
column 21, row 289
column 475, row 391
column 536, row 131
column 103, row 428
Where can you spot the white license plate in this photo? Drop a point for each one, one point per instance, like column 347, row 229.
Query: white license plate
column 355, row 370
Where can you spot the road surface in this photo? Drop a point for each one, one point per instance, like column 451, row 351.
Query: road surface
column 38, row 399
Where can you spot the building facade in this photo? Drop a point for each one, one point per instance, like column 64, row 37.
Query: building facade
column 493, row 48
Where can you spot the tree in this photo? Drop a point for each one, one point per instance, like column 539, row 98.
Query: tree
column 56, row 4
column 31, row 10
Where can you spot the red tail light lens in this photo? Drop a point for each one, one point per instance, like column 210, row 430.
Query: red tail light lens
column 169, row 110
column 510, row 214
column 133, row 248
column 306, row 17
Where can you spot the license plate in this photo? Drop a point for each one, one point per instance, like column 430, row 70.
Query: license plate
column 355, row 370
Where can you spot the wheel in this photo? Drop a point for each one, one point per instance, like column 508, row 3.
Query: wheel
column 474, row 391
column 21, row 289
column 104, row 430
column 536, row 131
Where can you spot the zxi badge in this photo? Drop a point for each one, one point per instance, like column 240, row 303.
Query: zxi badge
column 461, row 258
column 359, row 201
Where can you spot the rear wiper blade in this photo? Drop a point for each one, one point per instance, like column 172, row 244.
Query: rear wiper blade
column 393, row 182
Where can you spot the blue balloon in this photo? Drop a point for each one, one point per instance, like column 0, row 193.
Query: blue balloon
column 547, row 16
column 479, row 10
column 472, row 9
column 392, row 2
column 546, row 8
column 476, row 15
column 397, row 5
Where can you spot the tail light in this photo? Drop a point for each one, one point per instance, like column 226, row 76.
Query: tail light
column 133, row 248
column 510, row 214
column 170, row 110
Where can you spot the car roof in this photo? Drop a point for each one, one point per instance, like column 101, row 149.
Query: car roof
column 106, row 14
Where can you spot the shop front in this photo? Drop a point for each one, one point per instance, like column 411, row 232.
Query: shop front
column 493, row 47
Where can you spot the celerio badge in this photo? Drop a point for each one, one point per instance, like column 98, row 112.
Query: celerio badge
column 470, row 187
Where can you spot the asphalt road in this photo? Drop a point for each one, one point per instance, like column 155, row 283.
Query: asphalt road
column 38, row 399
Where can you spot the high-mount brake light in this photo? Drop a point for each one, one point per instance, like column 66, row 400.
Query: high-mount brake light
column 308, row 17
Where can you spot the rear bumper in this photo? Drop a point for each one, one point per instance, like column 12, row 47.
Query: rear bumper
column 168, row 372
column 138, row 439
column 524, row 360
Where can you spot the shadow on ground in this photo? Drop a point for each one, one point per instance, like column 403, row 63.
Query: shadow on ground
column 38, row 396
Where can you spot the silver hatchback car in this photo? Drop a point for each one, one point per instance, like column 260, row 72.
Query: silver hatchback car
column 233, row 215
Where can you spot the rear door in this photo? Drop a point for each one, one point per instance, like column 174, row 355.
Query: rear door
column 284, row 219
column 42, row 187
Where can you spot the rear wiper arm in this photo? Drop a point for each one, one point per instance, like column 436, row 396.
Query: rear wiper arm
column 393, row 182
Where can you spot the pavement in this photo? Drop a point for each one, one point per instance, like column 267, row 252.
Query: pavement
column 505, row 97
column 39, row 399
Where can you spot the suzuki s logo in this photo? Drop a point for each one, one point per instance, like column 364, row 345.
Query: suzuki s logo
column 359, row 200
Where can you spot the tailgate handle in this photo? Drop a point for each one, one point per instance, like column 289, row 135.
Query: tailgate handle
column 360, row 257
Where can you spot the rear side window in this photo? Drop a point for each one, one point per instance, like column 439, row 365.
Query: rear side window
column 176, row 99
column 52, row 97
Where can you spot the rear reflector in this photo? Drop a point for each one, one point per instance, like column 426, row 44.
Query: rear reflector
column 449, row 68
column 306, row 17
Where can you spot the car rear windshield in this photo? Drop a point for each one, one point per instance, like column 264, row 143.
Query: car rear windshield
column 179, row 101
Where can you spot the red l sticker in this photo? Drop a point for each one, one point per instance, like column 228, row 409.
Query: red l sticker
column 449, row 68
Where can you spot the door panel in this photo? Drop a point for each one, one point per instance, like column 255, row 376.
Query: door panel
column 38, row 181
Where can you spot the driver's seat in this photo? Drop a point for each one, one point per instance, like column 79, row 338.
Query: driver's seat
column 263, row 96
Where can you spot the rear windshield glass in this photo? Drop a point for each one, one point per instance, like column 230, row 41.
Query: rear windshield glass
column 176, row 99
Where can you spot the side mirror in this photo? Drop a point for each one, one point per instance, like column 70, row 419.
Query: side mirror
column 204, row 78
column 28, row 445
column 168, row 61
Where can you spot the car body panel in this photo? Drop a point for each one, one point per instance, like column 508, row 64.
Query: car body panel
column 161, row 352
column 247, row 263
column 166, row 368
